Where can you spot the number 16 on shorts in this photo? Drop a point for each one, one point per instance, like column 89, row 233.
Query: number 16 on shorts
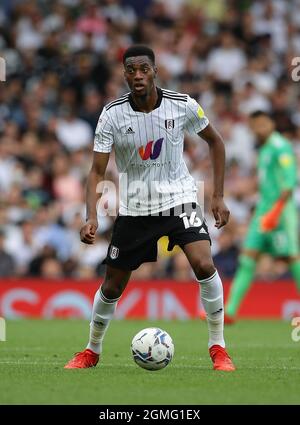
column 2, row 329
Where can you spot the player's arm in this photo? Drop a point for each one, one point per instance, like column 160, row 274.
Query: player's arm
column 96, row 176
column 102, row 147
column 217, row 154
column 198, row 123
column 288, row 178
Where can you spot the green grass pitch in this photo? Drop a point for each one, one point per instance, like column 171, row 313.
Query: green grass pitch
column 32, row 360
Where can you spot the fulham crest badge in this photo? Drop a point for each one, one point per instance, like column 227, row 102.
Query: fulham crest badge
column 114, row 252
column 169, row 124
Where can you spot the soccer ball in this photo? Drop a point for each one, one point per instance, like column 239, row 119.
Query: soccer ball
column 152, row 348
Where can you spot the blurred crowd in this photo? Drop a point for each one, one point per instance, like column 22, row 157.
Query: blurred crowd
column 64, row 62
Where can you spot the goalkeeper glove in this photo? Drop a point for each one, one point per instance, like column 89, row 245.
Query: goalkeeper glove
column 270, row 220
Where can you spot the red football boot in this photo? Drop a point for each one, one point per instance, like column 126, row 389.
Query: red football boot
column 82, row 360
column 221, row 359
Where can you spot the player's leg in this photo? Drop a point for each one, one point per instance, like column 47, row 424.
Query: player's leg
column 241, row 283
column 104, row 306
column 287, row 239
column 133, row 242
column 105, row 303
column 199, row 256
column 256, row 242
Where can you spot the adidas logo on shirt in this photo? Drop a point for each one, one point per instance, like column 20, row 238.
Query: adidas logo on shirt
column 129, row 131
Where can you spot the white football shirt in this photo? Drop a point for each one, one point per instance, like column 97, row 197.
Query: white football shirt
column 149, row 150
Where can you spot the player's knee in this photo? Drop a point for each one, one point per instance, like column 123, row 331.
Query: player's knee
column 204, row 268
column 115, row 282
column 112, row 290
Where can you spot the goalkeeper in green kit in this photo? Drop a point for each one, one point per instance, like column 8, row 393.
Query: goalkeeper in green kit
column 274, row 226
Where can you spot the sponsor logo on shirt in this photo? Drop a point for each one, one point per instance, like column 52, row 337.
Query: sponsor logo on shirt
column 152, row 149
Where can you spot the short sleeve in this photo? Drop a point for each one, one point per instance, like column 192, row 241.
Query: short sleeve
column 288, row 169
column 103, row 139
column 196, row 120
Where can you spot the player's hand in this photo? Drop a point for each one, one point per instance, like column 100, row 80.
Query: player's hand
column 269, row 222
column 88, row 232
column 220, row 211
